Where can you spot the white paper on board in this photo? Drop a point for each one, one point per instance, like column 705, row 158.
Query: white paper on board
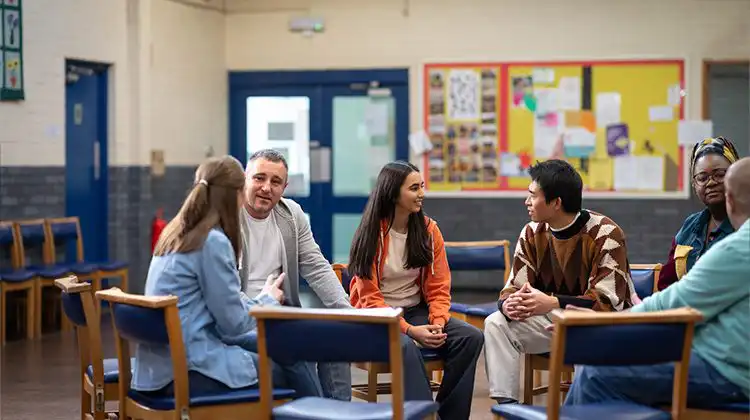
column 674, row 95
column 691, row 132
column 638, row 173
column 546, row 100
column 607, row 109
column 419, row 142
column 542, row 75
column 569, row 93
column 545, row 139
column 661, row 113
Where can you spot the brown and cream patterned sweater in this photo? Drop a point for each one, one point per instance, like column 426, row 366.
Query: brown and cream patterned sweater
column 585, row 264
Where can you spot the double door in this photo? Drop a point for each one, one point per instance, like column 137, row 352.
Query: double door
column 336, row 130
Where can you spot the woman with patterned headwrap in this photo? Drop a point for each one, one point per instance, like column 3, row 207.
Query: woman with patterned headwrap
column 700, row 231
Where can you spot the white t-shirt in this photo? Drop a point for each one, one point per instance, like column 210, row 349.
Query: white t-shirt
column 399, row 285
column 264, row 254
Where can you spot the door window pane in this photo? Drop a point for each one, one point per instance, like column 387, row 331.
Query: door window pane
column 283, row 123
column 364, row 139
column 344, row 226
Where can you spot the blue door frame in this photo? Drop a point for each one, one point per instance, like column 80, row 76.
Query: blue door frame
column 86, row 174
column 321, row 86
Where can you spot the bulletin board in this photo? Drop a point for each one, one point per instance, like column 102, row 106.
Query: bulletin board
column 616, row 122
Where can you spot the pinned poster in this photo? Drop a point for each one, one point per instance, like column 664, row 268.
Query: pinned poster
column 691, row 132
column 419, row 142
column 661, row 113
column 607, row 108
column 376, row 118
column 674, row 95
column 618, row 140
column 569, row 95
column 511, row 165
column 579, row 142
column 543, row 76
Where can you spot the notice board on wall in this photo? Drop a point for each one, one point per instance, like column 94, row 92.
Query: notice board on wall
column 616, row 122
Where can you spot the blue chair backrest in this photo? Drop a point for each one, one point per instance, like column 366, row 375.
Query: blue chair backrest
column 32, row 238
column 634, row 344
column 291, row 340
column 6, row 235
column 475, row 258
column 6, row 246
column 140, row 325
column 73, row 308
column 643, row 280
column 65, row 239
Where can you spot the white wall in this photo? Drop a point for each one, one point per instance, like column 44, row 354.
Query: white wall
column 397, row 33
column 188, row 86
column 168, row 86
column 33, row 131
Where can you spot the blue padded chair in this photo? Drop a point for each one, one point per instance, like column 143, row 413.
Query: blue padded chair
column 13, row 278
column 99, row 376
column 644, row 278
column 65, row 232
column 477, row 256
column 614, row 339
column 369, row 392
column 342, row 335
column 33, row 237
column 155, row 320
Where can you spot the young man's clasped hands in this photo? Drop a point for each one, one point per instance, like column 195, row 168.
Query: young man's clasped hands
column 429, row 336
column 528, row 301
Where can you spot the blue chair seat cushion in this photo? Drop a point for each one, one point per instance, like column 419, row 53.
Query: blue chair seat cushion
column 160, row 402
column 311, row 408
column 50, row 271
column 613, row 411
column 460, row 308
column 112, row 265
column 482, row 310
column 738, row 407
column 16, row 276
column 111, row 372
column 81, row 268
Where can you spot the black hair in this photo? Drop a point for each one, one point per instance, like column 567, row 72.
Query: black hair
column 381, row 206
column 558, row 179
column 720, row 146
column 270, row 155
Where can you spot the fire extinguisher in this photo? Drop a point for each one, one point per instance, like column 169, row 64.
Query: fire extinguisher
column 157, row 226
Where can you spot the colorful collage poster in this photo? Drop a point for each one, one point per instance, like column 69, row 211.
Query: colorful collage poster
column 11, row 51
column 463, row 128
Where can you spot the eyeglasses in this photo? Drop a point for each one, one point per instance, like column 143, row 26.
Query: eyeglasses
column 701, row 178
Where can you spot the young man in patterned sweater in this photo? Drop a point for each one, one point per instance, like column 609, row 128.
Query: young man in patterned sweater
column 565, row 256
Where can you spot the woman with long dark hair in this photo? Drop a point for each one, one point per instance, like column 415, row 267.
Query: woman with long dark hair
column 397, row 259
column 702, row 230
column 195, row 259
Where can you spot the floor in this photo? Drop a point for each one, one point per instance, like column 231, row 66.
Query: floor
column 39, row 378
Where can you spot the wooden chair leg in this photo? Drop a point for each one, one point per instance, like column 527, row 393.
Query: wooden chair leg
column 4, row 318
column 528, row 380
column 85, row 404
column 38, row 316
column 372, row 386
column 30, row 311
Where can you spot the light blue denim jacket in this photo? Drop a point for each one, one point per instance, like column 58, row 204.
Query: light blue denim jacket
column 213, row 314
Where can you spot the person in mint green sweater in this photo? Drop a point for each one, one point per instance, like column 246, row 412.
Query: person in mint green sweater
column 718, row 286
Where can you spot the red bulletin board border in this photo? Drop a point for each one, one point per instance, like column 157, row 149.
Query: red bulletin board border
column 504, row 98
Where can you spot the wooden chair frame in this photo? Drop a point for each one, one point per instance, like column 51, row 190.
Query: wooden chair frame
column 534, row 364
column 28, row 286
column 563, row 319
column 182, row 410
column 370, row 391
column 41, row 283
column 388, row 316
column 474, row 320
column 90, row 352
column 95, row 277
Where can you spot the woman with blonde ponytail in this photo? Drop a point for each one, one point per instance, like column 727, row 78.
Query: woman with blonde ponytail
column 195, row 259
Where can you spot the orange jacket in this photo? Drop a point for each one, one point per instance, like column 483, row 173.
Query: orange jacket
column 434, row 281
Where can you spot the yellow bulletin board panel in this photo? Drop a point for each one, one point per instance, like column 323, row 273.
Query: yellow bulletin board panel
column 614, row 121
